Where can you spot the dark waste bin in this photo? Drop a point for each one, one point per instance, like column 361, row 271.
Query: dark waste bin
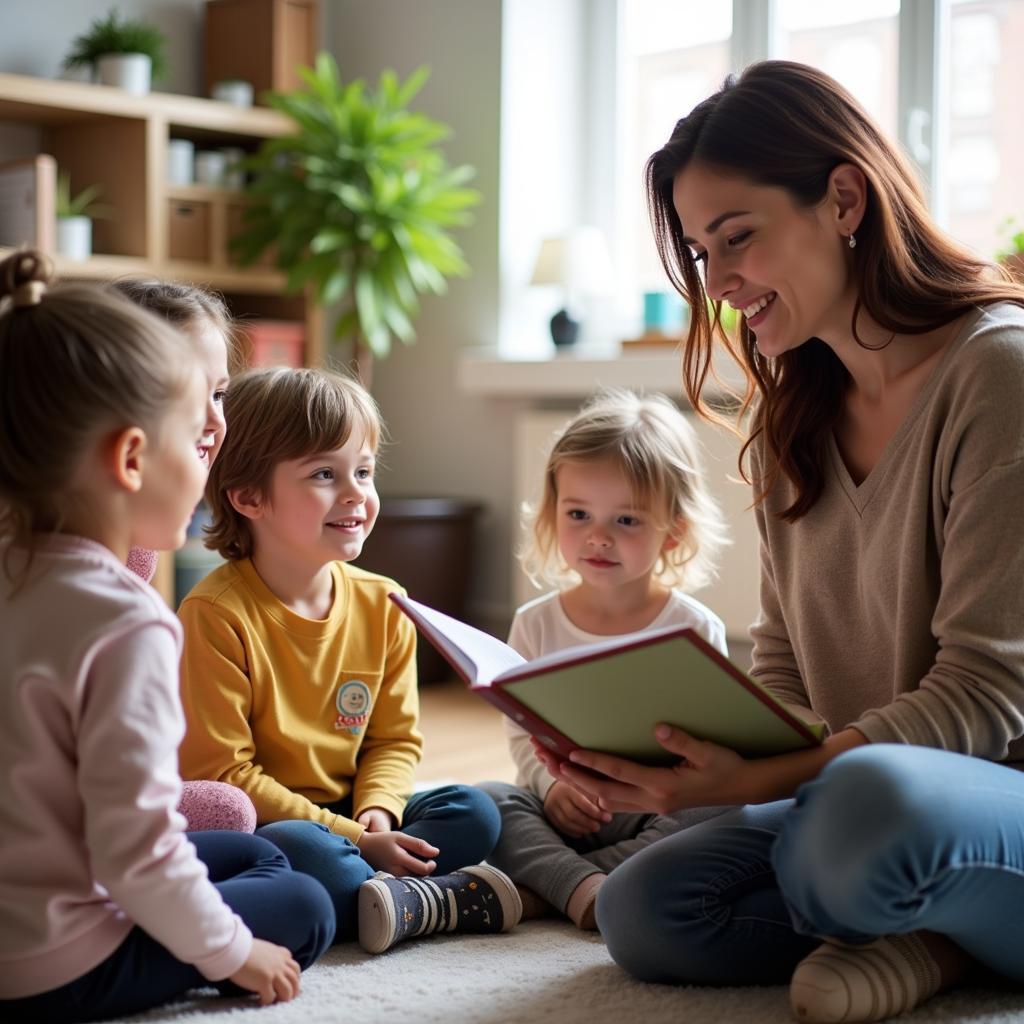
column 426, row 545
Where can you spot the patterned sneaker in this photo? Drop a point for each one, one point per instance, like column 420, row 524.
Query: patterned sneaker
column 854, row 984
column 474, row 899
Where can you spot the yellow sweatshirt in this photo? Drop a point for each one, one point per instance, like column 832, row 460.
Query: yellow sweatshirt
column 300, row 712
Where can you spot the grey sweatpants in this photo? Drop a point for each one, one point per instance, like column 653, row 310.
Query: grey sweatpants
column 532, row 852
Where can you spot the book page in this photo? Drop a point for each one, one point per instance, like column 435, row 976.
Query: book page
column 568, row 655
column 477, row 655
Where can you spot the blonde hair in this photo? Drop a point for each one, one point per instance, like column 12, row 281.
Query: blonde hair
column 75, row 360
column 273, row 416
column 657, row 450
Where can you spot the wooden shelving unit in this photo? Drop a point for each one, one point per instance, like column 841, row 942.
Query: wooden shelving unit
column 105, row 136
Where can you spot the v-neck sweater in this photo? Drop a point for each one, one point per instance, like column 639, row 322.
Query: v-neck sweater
column 896, row 605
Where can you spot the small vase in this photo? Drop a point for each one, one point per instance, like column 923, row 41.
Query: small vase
column 128, row 71
column 74, row 238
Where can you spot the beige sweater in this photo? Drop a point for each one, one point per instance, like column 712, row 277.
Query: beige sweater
column 897, row 606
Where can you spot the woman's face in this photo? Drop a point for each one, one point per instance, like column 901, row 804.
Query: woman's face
column 782, row 266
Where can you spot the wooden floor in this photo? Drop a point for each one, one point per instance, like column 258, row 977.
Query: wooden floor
column 463, row 737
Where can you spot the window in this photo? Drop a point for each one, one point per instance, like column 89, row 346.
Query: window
column 674, row 54
column 857, row 44
column 982, row 151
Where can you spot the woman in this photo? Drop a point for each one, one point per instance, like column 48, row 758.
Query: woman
column 887, row 459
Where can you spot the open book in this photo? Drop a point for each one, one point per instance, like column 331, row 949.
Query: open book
column 609, row 696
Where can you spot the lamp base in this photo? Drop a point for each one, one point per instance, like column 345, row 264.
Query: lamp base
column 564, row 330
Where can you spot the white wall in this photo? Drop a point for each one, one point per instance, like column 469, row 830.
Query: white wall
column 36, row 35
column 447, row 443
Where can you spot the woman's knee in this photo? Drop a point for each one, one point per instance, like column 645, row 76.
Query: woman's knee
column 644, row 915
column 855, row 821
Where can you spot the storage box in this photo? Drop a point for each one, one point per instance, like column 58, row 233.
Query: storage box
column 188, row 230
column 260, row 41
column 273, row 342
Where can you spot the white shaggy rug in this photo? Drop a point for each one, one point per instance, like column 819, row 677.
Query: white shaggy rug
column 542, row 971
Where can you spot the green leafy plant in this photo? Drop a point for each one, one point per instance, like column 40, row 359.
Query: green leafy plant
column 358, row 204
column 115, row 35
column 1012, row 235
column 81, row 205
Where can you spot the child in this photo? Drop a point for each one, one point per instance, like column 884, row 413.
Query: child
column 106, row 908
column 624, row 513
column 204, row 319
column 299, row 678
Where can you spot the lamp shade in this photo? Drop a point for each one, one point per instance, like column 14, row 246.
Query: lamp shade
column 578, row 262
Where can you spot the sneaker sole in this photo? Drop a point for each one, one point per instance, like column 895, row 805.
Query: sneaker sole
column 377, row 923
column 509, row 899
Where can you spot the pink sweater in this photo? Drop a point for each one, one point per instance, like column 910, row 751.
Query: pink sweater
column 90, row 723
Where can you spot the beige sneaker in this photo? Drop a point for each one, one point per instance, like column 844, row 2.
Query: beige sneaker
column 851, row 984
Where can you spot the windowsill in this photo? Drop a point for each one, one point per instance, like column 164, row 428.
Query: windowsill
column 572, row 374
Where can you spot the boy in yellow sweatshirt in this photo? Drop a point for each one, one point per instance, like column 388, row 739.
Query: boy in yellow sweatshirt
column 299, row 675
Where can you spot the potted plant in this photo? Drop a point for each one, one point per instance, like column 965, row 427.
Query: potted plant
column 125, row 53
column 75, row 215
column 358, row 204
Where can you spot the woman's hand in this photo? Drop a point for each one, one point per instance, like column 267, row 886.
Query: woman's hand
column 270, row 971
column 706, row 775
column 573, row 813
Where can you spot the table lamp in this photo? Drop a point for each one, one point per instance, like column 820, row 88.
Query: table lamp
column 578, row 263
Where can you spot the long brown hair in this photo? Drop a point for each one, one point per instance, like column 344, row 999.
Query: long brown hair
column 788, row 125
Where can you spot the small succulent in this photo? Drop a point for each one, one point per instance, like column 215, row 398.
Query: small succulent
column 82, row 205
column 113, row 34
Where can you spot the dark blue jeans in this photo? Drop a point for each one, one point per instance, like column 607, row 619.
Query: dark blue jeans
column 255, row 880
column 461, row 821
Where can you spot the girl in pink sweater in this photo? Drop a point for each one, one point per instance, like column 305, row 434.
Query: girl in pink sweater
column 107, row 907
column 204, row 319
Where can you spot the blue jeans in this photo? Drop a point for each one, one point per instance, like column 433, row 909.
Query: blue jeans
column 278, row 904
column 887, row 839
column 461, row 821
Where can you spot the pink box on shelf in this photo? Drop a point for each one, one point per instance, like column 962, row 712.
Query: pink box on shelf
column 274, row 342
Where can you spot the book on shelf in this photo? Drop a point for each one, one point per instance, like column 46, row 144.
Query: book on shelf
column 609, row 696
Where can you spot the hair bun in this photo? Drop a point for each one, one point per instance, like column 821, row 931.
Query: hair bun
column 24, row 276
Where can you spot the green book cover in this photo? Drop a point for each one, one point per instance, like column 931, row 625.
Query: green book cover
column 611, row 703
column 610, row 695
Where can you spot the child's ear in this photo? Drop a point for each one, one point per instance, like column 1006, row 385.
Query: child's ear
column 124, row 457
column 675, row 536
column 247, row 501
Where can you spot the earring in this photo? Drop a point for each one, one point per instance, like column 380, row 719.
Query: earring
column 851, row 241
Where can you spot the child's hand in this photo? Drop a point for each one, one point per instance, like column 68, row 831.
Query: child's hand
column 270, row 972
column 398, row 853
column 376, row 819
column 571, row 812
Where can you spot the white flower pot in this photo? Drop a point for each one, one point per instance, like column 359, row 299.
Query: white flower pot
column 128, row 71
column 74, row 237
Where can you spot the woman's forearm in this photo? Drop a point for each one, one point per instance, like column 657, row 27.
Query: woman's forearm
column 778, row 778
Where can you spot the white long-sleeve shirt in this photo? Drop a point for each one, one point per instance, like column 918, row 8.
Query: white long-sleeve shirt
column 90, row 723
